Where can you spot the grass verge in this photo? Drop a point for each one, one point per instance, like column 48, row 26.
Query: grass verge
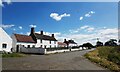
column 100, row 57
column 13, row 55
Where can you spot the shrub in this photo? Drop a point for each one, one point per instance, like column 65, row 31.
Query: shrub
column 108, row 57
column 104, row 51
column 114, row 57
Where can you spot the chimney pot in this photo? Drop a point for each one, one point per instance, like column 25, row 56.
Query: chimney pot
column 32, row 30
column 64, row 40
column 41, row 32
column 52, row 35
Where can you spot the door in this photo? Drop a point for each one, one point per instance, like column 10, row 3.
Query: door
column 17, row 48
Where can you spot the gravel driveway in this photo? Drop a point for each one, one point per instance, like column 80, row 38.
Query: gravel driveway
column 61, row 61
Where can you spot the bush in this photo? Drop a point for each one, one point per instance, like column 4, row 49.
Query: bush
column 108, row 57
column 104, row 51
column 114, row 55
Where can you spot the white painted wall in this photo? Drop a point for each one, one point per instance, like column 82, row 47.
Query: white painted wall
column 57, row 51
column 43, row 50
column 45, row 42
column 77, row 49
column 71, row 45
column 5, row 38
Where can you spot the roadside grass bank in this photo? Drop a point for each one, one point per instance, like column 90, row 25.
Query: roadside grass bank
column 106, row 56
column 5, row 55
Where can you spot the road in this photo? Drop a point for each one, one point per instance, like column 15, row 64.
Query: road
column 60, row 61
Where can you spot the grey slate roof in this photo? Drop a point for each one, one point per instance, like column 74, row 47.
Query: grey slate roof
column 45, row 37
column 72, row 42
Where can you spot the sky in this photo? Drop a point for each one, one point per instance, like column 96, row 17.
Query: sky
column 80, row 21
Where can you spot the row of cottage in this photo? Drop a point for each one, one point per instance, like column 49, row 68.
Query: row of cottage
column 34, row 40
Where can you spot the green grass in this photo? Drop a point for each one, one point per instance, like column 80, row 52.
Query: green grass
column 13, row 55
column 108, row 57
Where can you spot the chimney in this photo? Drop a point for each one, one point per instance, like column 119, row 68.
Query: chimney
column 32, row 30
column 64, row 40
column 53, row 35
column 41, row 32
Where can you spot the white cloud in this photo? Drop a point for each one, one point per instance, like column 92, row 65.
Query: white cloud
column 81, row 18
column 14, row 29
column 6, row 26
column 87, row 28
column 33, row 26
column 8, row 2
column 20, row 27
column 90, row 29
column 104, row 34
column 58, row 17
column 92, row 12
column 89, row 14
column 74, row 31
column 1, row 3
column 84, row 27
column 108, row 31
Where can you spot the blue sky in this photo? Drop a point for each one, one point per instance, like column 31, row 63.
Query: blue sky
column 72, row 20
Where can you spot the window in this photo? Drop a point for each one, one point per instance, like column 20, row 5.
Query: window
column 33, row 46
column 44, row 46
column 55, row 46
column 23, row 45
column 4, row 45
column 41, row 46
column 54, row 42
column 28, row 46
column 41, row 41
column 50, row 42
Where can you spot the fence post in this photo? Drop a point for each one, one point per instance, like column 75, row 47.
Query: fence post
column 45, row 51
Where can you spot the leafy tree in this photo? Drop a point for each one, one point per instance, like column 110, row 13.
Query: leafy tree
column 89, row 45
column 111, row 42
column 99, row 43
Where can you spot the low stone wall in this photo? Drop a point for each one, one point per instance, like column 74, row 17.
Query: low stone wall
column 47, row 51
column 33, row 50
column 76, row 49
column 57, row 51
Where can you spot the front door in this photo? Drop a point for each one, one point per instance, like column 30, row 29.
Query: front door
column 17, row 48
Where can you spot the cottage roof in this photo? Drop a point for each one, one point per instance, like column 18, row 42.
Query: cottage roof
column 72, row 42
column 45, row 37
column 24, row 38
column 61, row 43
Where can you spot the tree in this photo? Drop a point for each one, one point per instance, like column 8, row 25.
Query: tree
column 111, row 42
column 89, row 45
column 99, row 44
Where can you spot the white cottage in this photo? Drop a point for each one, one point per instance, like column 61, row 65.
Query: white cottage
column 43, row 41
column 5, row 41
column 61, row 44
column 22, row 41
column 70, row 43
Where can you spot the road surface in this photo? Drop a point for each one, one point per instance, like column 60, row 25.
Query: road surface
column 60, row 61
